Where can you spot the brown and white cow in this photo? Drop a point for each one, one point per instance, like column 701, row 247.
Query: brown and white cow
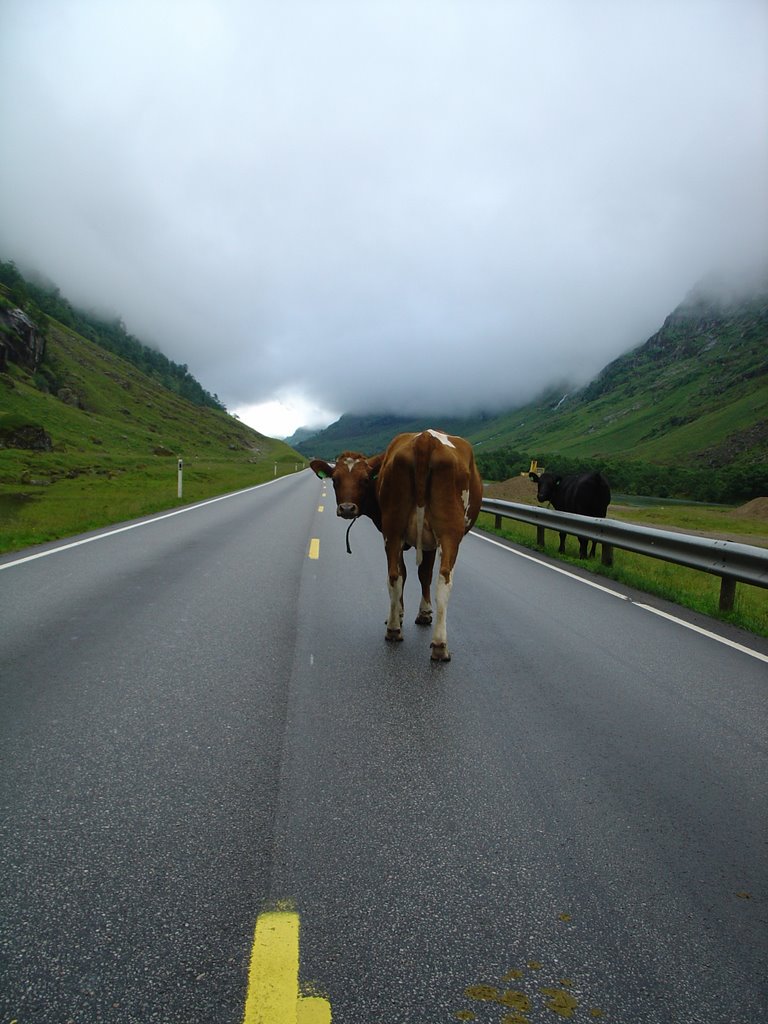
column 423, row 492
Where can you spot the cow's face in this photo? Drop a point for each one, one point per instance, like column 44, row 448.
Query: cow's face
column 352, row 476
column 548, row 484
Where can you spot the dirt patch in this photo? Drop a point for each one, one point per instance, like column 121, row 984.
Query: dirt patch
column 755, row 509
column 518, row 488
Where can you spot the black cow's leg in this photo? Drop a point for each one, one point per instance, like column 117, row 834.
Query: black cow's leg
column 562, row 543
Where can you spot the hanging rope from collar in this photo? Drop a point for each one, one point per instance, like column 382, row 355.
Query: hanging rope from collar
column 352, row 523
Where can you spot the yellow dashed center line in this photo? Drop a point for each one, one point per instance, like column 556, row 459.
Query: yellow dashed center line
column 314, row 547
column 321, row 508
column 273, row 978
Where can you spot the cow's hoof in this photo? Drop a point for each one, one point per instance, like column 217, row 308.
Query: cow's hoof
column 440, row 652
column 393, row 635
column 424, row 619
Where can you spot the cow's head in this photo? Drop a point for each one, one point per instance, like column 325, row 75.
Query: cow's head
column 352, row 476
column 548, row 484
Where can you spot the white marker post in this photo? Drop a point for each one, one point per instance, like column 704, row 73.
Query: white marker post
column 181, row 470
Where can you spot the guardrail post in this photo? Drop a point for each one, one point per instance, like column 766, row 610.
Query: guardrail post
column 497, row 523
column 540, row 536
column 727, row 593
column 606, row 553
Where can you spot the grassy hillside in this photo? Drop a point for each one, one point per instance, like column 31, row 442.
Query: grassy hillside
column 41, row 299
column 370, row 434
column 695, row 395
column 108, row 440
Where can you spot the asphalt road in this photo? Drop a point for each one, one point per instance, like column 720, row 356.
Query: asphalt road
column 200, row 722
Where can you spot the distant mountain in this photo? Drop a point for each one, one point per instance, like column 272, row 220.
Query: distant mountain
column 369, row 434
column 299, row 435
column 694, row 394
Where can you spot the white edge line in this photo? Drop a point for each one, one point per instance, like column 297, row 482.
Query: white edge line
column 704, row 632
column 135, row 526
column 554, row 568
column 623, row 597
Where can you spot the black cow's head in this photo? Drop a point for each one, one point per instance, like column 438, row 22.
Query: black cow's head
column 352, row 476
column 548, row 484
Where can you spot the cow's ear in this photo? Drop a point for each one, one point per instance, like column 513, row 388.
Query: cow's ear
column 534, row 476
column 374, row 465
column 321, row 468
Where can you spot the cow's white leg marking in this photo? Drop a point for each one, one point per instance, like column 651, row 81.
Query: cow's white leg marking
column 465, row 502
column 440, row 632
column 442, row 438
column 395, row 620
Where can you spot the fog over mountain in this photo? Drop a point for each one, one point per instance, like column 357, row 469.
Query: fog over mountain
column 410, row 207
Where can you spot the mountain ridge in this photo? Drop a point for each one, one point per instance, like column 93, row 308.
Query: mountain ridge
column 694, row 393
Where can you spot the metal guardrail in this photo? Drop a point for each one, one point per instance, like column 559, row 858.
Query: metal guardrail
column 733, row 563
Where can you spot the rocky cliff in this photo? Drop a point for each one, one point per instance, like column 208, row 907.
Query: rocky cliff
column 21, row 341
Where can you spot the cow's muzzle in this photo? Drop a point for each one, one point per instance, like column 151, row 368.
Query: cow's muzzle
column 347, row 510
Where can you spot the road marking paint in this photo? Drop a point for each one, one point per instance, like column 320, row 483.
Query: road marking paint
column 135, row 526
column 623, row 597
column 705, row 632
column 273, row 977
column 313, row 1010
column 554, row 568
column 321, row 508
column 314, row 548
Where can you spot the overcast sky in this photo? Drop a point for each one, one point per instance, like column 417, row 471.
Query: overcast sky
column 414, row 206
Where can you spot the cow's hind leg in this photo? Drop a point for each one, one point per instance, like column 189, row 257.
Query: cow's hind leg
column 561, row 549
column 439, row 645
column 424, row 618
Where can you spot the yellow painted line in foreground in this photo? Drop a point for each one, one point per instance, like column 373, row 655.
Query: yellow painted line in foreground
column 273, row 979
column 321, row 508
column 314, row 548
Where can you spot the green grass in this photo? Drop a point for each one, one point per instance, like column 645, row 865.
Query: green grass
column 35, row 514
column 712, row 520
column 687, row 587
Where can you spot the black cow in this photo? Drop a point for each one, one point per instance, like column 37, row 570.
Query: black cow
column 584, row 494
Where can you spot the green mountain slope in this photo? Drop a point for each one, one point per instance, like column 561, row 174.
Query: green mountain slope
column 693, row 395
column 41, row 298
column 88, row 439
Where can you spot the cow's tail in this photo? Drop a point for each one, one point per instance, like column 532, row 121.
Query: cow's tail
column 422, row 452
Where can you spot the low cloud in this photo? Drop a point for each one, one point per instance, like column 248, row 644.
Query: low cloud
column 385, row 206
